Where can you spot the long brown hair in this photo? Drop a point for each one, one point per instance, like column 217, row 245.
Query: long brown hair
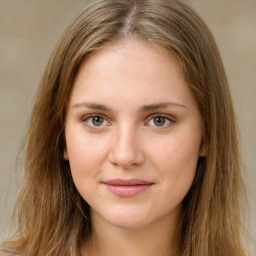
column 53, row 219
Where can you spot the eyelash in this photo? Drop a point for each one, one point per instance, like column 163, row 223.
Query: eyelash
column 151, row 117
column 87, row 117
column 167, row 118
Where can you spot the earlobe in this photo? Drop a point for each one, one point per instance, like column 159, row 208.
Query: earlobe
column 65, row 154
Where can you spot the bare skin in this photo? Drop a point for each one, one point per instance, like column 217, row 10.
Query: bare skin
column 133, row 133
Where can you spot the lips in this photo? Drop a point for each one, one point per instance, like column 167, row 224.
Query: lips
column 127, row 188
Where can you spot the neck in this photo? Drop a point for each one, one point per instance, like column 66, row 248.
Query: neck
column 156, row 239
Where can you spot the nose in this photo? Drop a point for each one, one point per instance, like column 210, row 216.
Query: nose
column 127, row 151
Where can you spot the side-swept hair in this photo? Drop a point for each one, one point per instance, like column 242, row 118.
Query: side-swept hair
column 53, row 219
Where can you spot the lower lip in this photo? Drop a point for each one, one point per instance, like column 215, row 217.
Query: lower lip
column 128, row 190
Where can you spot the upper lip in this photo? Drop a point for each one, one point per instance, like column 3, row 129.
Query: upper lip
column 128, row 182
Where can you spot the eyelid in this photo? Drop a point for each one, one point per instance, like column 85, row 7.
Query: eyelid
column 162, row 115
column 168, row 117
column 92, row 115
column 150, row 117
column 86, row 117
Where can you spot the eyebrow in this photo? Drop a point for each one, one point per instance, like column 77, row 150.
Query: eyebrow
column 91, row 105
column 161, row 106
column 145, row 108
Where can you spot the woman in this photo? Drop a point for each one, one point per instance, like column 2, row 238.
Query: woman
column 132, row 145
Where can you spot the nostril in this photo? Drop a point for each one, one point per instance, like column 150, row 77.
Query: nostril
column 126, row 158
column 127, row 150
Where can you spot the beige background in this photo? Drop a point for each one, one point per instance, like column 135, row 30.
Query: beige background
column 29, row 30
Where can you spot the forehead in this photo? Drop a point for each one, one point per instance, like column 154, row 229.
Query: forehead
column 127, row 50
column 131, row 70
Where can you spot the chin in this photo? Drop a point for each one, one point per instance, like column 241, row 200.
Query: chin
column 132, row 219
column 129, row 223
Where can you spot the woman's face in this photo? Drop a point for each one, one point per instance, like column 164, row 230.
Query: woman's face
column 133, row 133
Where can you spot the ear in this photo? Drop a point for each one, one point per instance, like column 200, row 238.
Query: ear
column 202, row 153
column 202, row 150
column 65, row 154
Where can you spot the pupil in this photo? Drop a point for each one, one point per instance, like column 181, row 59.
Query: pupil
column 159, row 121
column 97, row 120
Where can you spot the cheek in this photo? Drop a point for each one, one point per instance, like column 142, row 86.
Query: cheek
column 176, row 160
column 175, row 151
column 85, row 154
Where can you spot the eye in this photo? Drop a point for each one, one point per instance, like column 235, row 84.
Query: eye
column 160, row 121
column 95, row 121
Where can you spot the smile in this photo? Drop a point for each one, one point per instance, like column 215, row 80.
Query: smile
column 127, row 188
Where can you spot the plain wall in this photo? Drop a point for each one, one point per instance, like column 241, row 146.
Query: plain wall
column 28, row 32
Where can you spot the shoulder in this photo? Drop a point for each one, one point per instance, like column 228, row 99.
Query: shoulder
column 7, row 252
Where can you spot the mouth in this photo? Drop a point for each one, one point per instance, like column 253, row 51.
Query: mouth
column 127, row 188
